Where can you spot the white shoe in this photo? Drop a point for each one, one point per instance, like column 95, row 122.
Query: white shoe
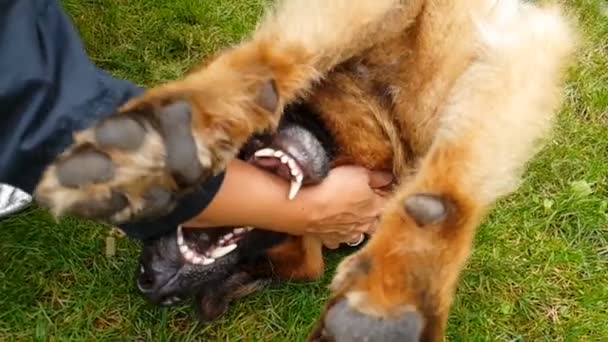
column 12, row 200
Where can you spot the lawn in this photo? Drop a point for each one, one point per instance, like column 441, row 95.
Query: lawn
column 539, row 271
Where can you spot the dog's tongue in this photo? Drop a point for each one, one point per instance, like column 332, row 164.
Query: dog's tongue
column 275, row 166
column 267, row 163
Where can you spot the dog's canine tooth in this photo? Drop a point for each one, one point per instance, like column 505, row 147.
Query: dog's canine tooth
column 183, row 249
column 295, row 187
column 189, row 255
column 237, row 231
column 221, row 251
column 180, row 235
column 208, row 261
column 265, row 152
column 198, row 259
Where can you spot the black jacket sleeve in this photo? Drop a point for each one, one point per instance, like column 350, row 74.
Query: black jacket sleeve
column 48, row 89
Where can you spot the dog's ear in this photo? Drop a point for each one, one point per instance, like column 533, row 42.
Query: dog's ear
column 210, row 307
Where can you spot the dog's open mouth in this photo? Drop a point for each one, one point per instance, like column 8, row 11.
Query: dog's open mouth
column 208, row 245
column 282, row 164
column 200, row 255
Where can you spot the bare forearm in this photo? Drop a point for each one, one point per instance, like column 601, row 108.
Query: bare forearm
column 252, row 197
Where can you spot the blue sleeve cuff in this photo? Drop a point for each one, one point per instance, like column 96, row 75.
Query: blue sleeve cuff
column 189, row 207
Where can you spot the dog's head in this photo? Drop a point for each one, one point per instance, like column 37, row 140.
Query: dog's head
column 195, row 262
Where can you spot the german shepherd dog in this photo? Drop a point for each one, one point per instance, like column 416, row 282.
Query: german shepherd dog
column 454, row 97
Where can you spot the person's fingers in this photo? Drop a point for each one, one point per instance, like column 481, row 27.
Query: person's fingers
column 371, row 229
column 331, row 243
column 380, row 179
column 378, row 204
column 384, row 194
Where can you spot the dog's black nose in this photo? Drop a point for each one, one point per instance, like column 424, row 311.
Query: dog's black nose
column 145, row 281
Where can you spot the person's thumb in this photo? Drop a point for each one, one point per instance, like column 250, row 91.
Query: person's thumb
column 380, row 179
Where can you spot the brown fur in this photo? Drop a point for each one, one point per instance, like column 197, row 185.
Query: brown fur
column 451, row 96
column 298, row 259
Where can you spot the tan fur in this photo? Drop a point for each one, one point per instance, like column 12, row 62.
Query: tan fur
column 452, row 96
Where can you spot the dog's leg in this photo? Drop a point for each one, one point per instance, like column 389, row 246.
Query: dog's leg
column 399, row 287
column 298, row 259
column 175, row 136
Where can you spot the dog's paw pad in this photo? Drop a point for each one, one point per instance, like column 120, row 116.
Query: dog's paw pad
column 130, row 165
column 120, row 132
column 85, row 166
column 101, row 208
column 343, row 323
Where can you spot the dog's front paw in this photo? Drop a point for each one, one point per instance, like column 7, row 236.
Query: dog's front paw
column 139, row 161
column 132, row 164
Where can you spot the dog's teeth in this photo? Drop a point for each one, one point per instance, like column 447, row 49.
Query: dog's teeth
column 184, row 249
column 208, row 261
column 284, row 159
column 299, row 178
column 221, row 251
column 278, row 153
column 238, row 231
column 265, row 152
column 180, row 236
column 141, row 269
column 197, row 260
column 189, row 255
column 249, row 228
column 295, row 187
column 292, row 163
column 294, row 168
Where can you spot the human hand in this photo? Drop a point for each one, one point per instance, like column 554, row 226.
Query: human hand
column 333, row 240
column 346, row 204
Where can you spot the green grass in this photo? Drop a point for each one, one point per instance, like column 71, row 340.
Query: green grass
column 539, row 271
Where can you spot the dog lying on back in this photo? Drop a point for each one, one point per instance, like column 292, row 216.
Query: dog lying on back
column 452, row 96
